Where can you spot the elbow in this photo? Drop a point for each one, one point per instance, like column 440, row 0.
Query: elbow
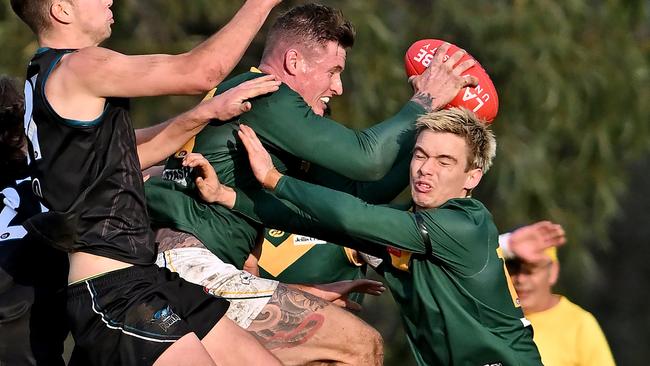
column 210, row 76
column 204, row 76
column 374, row 170
column 208, row 80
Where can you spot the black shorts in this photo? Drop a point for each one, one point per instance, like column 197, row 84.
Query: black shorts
column 33, row 324
column 131, row 316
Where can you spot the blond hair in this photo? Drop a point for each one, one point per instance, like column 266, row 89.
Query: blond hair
column 462, row 122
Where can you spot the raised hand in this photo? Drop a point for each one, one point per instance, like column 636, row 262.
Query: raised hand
column 529, row 242
column 234, row 102
column 259, row 158
column 442, row 80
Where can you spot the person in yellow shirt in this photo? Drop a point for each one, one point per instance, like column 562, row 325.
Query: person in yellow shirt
column 565, row 333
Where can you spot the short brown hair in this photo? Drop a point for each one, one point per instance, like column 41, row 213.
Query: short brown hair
column 35, row 13
column 311, row 23
column 12, row 137
column 462, row 122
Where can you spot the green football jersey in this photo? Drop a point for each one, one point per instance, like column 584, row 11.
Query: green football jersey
column 291, row 132
column 293, row 258
column 457, row 303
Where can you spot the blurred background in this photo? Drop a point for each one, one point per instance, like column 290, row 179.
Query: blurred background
column 573, row 127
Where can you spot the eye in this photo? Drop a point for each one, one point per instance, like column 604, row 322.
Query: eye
column 419, row 156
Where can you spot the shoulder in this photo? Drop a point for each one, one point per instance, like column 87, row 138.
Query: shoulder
column 466, row 220
column 576, row 312
column 463, row 212
column 86, row 60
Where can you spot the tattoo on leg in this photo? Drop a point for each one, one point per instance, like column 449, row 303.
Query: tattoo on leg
column 425, row 100
column 171, row 239
column 289, row 319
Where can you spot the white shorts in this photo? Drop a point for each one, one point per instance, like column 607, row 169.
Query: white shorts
column 247, row 294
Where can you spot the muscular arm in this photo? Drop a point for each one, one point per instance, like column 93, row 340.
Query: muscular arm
column 101, row 72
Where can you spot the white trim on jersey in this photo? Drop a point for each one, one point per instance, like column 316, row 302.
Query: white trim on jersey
column 31, row 131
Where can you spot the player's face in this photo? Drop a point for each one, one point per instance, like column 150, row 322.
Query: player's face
column 319, row 76
column 94, row 18
column 438, row 169
column 533, row 282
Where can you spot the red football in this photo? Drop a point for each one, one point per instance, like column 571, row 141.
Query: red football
column 482, row 99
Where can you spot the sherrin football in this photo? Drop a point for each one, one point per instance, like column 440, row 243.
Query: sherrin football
column 482, row 99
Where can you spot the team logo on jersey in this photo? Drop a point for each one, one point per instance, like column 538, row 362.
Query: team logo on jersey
column 276, row 233
column 306, row 240
column 178, row 176
column 165, row 318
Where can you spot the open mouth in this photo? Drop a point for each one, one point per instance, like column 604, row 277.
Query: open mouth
column 422, row 187
column 325, row 100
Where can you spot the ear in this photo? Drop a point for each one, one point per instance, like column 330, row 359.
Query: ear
column 554, row 273
column 473, row 178
column 292, row 61
column 61, row 11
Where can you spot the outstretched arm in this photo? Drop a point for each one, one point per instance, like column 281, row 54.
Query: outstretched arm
column 339, row 215
column 158, row 142
column 100, row 72
column 286, row 122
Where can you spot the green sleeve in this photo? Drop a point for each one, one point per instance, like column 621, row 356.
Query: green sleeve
column 286, row 122
column 461, row 232
column 462, row 235
column 338, row 212
column 377, row 192
column 265, row 208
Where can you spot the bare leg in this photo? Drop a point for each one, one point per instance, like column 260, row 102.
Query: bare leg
column 300, row 329
column 186, row 351
column 229, row 344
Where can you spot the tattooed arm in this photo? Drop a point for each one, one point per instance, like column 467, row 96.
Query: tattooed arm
column 303, row 329
column 298, row 327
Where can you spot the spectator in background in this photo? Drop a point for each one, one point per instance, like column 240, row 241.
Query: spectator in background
column 565, row 333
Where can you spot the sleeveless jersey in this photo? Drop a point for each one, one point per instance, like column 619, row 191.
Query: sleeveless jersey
column 87, row 174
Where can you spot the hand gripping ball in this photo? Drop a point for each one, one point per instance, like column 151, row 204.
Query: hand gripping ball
column 482, row 99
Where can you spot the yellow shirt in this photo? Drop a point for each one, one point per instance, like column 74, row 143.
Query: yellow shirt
column 568, row 335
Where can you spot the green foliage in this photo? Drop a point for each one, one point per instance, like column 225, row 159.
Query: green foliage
column 572, row 78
